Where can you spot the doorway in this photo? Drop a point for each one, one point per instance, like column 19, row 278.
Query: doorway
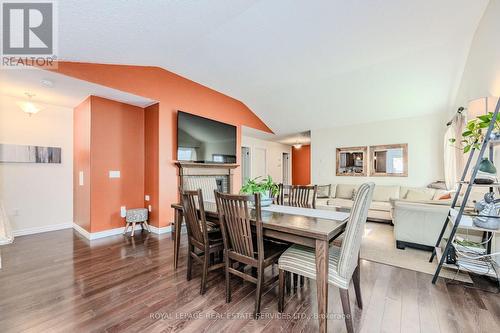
column 245, row 164
column 285, row 164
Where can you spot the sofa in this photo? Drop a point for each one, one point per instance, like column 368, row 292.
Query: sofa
column 334, row 196
column 417, row 214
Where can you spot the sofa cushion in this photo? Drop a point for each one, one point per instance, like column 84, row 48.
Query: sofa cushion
column 403, row 191
column 418, row 195
column 381, row 205
column 324, row 191
column 385, row 193
column 339, row 202
column 345, row 191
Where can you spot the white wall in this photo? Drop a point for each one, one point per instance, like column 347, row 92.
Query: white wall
column 37, row 197
column 424, row 136
column 481, row 76
column 274, row 157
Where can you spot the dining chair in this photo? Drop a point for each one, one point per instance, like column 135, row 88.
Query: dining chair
column 241, row 245
column 297, row 195
column 202, row 235
column 343, row 260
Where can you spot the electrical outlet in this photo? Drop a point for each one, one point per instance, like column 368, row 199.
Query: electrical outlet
column 123, row 211
column 150, row 209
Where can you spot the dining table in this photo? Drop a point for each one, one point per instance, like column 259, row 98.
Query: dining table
column 314, row 228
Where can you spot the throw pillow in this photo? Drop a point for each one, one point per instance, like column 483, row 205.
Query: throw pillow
column 323, row 191
column 445, row 196
column 418, row 195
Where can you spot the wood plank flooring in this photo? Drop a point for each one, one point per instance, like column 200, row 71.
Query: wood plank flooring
column 58, row 282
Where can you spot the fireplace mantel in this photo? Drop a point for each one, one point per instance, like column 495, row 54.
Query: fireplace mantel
column 222, row 172
column 206, row 165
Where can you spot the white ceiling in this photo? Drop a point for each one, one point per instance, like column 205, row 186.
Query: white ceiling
column 65, row 91
column 298, row 65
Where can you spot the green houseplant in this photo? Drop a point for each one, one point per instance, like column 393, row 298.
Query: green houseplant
column 266, row 187
column 475, row 130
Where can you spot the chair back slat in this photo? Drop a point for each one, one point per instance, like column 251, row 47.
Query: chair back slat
column 353, row 233
column 196, row 224
column 235, row 219
column 302, row 196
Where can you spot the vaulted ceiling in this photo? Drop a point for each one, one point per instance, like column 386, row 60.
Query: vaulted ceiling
column 297, row 64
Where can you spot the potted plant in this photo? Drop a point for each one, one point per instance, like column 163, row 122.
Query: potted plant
column 473, row 137
column 474, row 131
column 267, row 189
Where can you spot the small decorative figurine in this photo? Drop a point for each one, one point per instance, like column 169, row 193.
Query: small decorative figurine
column 488, row 211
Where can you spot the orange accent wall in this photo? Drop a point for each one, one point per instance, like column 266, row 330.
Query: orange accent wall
column 173, row 93
column 81, row 163
column 301, row 165
column 116, row 132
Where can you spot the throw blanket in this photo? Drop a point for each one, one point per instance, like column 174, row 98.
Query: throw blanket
column 6, row 236
column 309, row 212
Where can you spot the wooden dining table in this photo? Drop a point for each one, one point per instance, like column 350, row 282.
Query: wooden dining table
column 314, row 232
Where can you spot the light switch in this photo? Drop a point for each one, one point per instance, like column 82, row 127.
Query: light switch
column 146, row 197
column 114, row 173
column 80, row 178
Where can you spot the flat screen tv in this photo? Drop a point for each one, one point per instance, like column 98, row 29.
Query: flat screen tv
column 204, row 140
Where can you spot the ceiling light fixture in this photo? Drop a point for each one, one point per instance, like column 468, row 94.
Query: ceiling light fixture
column 28, row 106
column 297, row 145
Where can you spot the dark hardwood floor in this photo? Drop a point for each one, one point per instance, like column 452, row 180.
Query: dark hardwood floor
column 58, row 282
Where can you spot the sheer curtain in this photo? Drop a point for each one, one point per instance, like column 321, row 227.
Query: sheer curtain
column 6, row 236
column 453, row 156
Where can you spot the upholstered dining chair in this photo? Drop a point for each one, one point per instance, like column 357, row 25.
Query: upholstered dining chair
column 202, row 235
column 343, row 261
column 241, row 245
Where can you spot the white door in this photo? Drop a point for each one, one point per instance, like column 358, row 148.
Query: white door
column 286, row 168
column 259, row 163
column 245, row 164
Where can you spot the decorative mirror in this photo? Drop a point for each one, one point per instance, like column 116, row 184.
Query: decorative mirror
column 389, row 160
column 352, row 161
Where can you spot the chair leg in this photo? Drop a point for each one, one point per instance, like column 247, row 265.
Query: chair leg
column 281, row 290
column 133, row 229
column 295, row 279
column 189, row 263
column 206, row 259
column 288, row 278
column 344, row 297
column 228, row 278
column 301, row 280
column 126, row 228
column 147, row 226
column 357, row 289
column 258, row 291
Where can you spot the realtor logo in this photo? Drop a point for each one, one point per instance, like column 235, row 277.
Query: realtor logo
column 28, row 29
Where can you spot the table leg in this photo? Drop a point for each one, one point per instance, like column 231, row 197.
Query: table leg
column 177, row 235
column 322, row 282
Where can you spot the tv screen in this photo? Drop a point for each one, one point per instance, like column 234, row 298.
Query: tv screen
column 204, row 140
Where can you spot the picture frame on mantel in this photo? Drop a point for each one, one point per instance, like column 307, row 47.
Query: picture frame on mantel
column 352, row 161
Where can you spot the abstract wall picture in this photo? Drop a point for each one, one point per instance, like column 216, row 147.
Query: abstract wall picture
column 29, row 154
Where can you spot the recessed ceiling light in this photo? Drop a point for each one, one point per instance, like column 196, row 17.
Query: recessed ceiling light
column 47, row 83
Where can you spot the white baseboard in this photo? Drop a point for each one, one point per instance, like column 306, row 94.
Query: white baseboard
column 99, row 234
column 38, row 230
column 116, row 231
column 162, row 230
